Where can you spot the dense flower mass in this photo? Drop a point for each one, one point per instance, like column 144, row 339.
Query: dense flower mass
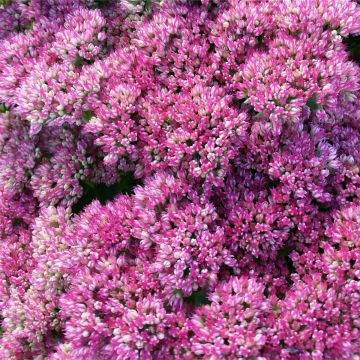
column 179, row 179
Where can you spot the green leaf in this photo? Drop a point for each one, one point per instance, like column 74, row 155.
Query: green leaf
column 260, row 39
column 280, row 294
column 100, row 3
column 258, row 115
column 104, row 193
column 353, row 45
column 197, row 298
column 3, row 108
column 79, row 61
column 186, row 273
column 285, row 251
column 20, row 28
column 312, row 104
column 87, row 115
column 4, row 2
column 1, row 328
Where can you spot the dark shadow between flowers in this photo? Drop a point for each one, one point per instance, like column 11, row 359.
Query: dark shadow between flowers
column 353, row 46
column 197, row 298
column 104, row 193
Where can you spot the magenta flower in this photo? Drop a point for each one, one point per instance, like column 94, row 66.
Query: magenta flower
column 179, row 179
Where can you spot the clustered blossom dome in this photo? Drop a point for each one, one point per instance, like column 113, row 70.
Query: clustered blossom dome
column 179, row 179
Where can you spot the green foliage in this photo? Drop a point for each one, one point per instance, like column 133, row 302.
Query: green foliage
column 285, row 251
column 283, row 254
column 29, row 26
column 1, row 328
column 101, row 3
column 312, row 103
column 3, row 108
column 353, row 45
column 186, row 273
column 79, row 61
column 103, row 193
column 87, row 115
column 259, row 115
column 197, row 298
column 4, row 3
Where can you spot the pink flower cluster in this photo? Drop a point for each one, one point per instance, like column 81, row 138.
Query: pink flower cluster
column 239, row 123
